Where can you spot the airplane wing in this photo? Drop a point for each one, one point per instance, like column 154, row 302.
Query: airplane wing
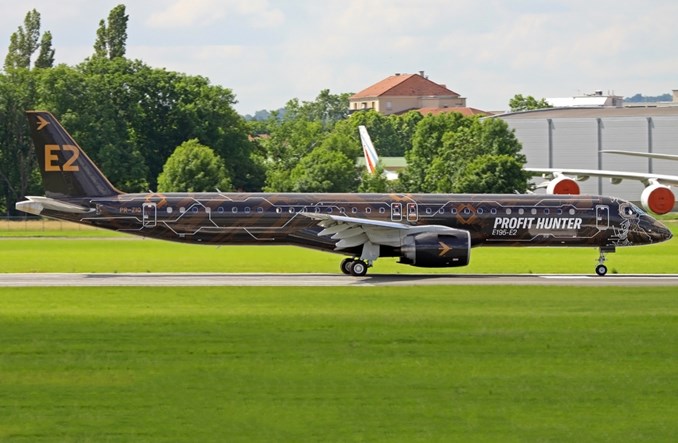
column 615, row 176
column 643, row 154
column 354, row 231
column 656, row 197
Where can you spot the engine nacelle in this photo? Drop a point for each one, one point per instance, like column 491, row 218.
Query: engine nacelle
column 563, row 185
column 658, row 198
column 437, row 250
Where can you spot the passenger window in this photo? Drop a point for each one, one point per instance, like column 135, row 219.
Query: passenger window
column 169, row 209
column 368, row 210
column 220, row 210
column 182, row 210
column 534, row 211
column 428, row 210
column 493, row 211
column 247, row 210
column 382, row 210
column 354, row 210
column 480, row 210
column 260, row 210
column 234, row 209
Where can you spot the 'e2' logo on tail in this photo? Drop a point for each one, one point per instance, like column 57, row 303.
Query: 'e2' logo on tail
column 51, row 159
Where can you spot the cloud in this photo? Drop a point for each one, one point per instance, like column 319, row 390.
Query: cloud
column 196, row 13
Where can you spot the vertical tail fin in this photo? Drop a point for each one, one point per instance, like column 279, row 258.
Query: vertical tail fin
column 371, row 157
column 66, row 170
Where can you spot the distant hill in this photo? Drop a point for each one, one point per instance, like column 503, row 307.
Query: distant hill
column 640, row 98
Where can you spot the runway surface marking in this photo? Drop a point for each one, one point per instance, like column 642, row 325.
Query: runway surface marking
column 269, row 279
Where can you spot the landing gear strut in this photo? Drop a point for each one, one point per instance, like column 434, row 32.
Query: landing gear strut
column 354, row 267
column 601, row 269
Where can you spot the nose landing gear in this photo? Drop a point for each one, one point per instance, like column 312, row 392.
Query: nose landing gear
column 601, row 269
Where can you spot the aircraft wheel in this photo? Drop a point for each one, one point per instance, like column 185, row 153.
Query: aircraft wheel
column 359, row 268
column 601, row 270
column 346, row 265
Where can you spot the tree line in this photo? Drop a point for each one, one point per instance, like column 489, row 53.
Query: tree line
column 152, row 129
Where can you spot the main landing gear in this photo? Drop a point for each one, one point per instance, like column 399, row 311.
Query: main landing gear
column 601, row 269
column 354, row 267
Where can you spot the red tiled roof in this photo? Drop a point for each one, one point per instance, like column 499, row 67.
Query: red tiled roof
column 404, row 85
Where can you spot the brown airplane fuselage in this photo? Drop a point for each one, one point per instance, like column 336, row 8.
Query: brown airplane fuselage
column 431, row 230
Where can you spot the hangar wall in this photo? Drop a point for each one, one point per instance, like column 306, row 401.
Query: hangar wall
column 574, row 137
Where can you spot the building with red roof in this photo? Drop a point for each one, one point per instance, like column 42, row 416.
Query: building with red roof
column 400, row 93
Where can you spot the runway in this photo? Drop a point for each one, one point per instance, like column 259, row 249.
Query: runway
column 320, row 280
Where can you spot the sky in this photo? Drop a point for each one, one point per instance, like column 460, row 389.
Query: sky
column 268, row 52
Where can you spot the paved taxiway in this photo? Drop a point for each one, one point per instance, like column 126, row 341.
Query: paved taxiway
column 197, row 279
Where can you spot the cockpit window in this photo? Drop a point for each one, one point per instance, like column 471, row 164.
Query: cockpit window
column 632, row 210
column 638, row 210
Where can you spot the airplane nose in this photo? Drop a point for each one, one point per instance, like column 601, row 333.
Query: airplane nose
column 659, row 232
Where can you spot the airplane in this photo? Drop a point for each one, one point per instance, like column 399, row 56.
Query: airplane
column 656, row 197
column 370, row 153
column 424, row 230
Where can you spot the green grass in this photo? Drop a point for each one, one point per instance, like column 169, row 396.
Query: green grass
column 116, row 255
column 338, row 364
column 37, row 246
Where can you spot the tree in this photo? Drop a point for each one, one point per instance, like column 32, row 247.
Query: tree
column 460, row 154
column 193, row 167
column 324, row 170
column 116, row 33
column 427, row 143
column 18, row 163
column 24, row 42
column 111, row 39
column 46, row 55
column 520, row 103
column 100, row 44
column 492, row 174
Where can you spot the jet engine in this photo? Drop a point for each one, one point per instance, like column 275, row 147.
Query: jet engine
column 658, row 198
column 437, row 249
column 562, row 185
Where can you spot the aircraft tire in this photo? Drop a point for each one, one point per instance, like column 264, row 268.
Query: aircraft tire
column 346, row 266
column 601, row 270
column 359, row 268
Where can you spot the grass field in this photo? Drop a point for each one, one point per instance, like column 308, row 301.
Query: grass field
column 51, row 246
column 118, row 255
column 339, row 364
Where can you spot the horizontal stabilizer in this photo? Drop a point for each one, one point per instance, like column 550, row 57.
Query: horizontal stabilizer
column 35, row 205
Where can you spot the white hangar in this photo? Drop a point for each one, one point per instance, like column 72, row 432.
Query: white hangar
column 574, row 138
